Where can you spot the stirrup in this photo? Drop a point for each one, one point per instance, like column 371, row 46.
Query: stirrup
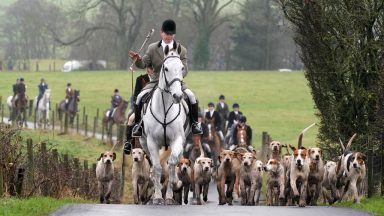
column 127, row 147
column 137, row 130
column 196, row 128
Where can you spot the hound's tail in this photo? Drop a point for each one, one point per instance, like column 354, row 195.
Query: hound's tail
column 300, row 143
column 348, row 147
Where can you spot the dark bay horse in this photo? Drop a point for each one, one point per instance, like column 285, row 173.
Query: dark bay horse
column 213, row 141
column 118, row 118
column 19, row 113
column 71, row 108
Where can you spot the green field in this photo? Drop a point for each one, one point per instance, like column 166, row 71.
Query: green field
column 279, row 103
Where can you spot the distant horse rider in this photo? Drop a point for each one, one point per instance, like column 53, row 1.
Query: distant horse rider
column 42, row 87
column 15, row 90
column 116, row 99
column 154, row 57
column 68, row 95
column 232, row 121
column 213, row 116
column 222, row 109
column 247, row 142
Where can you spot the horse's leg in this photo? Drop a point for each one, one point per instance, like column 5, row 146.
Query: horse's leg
column 153, row 149
column 176, row 152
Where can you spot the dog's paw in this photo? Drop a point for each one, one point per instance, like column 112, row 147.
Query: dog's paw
column 205, row 198
column 302, row 203
column 281, row 201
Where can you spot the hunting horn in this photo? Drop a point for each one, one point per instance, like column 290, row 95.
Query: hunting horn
column 150, row 33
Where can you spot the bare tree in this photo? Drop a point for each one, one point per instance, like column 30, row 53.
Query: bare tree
column 208, row 16
column 121, row 18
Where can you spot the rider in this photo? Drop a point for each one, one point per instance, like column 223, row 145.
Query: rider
column 116, row 99
column 42, row 87
column 232, row 120
column 68, row 95
column 222, row 109
column 141, row 82
column 214, row 116
column 154, row 58
column 242, row 125
column 14, row 88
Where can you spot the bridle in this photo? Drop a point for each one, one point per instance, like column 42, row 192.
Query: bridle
column 168, row 83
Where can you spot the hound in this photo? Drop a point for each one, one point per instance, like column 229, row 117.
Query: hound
column 329, row 189
column 259, row 180
column 141, row 181
column 299, row 170
column 275, row 147
column 275, row 182
column 184, row 171
column 105, row 175
column 202, row 170
column 353, row 171
column 315, row 176
column 226, row 175
column 249, row 179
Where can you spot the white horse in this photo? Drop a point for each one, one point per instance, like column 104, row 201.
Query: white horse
column 164, row 119
column 42, row 110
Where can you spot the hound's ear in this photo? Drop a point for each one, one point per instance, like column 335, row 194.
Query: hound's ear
column 114, row 156
column 166, row 50
column 179, row 49
column 198, row 161
column 101, row 156
column 292, row 147
column 190, row 162
column 363, row 156
column 302, row 147
column 174, row 45
column 321, row 152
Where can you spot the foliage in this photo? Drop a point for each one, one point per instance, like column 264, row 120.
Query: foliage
column 34, row 206
column 372, row 205
column 260, row 39
column 341, row 46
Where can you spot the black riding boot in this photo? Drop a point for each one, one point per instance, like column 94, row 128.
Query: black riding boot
column 128, row 140
column 194, row 115
column 137, row 129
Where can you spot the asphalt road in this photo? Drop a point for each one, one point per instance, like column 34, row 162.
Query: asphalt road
column 207, row 209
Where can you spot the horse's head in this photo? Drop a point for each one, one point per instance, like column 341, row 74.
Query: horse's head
column 171, row 74
column 77, row 95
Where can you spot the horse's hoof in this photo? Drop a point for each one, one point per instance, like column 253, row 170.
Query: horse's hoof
column 158, row 201
column 170, row 202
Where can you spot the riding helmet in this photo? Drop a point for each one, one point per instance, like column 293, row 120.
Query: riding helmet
column 222, row 97
column 116, row 90
column 235, row 105
column 169, row 26
column 21, row 79
column 242, row 119
column 210, row 104
column 69, row 84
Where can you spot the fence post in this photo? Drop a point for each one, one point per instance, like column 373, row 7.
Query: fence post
column 44, row 164
column 30, row 107
column 86, row 179
column 102, row 132
column 34, row 120
column 66, row 166
column 94, row 126
column 264, row 137
column 76, row 175
column 2, row 113
column 86, row 125
column 54, row 66
column 83, row 115
column 77, row 123
column 30, row 162
column 57, row 110
column 19, row 181
column 120, row 133
column 55, row 169
column 53, row 120
column 65, row 123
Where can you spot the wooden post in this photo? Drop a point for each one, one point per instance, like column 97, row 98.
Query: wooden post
column 19, row 181
column 44, row 167
column 34, row 120
column 76, row 174
column 120, row 133
column 65, row 123
column 86, row 125
column 77, row 123
column 94, row 126
column 83, row 115
column 264, row 137
column 57, row 110
column 30, row 163
column 53, row 120
column 55, row 169
column 54, row 66
column 66, row 166
column 2, row 113
column 86, row 179
column 102, row 132
column 30, row 107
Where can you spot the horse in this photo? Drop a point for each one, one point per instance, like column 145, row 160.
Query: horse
column 17, row 109
column 42, row 110
column 164, row 118
column 72, row 106
column 118, row 117
column 241, row 136
column 213, row 141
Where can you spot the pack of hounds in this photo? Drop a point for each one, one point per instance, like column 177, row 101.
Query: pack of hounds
column 299, row 177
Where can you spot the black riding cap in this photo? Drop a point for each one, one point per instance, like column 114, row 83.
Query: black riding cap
column 210, row 104
column 116, row 90
column 169, row 27
column 235, row 105
column 222, row 97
